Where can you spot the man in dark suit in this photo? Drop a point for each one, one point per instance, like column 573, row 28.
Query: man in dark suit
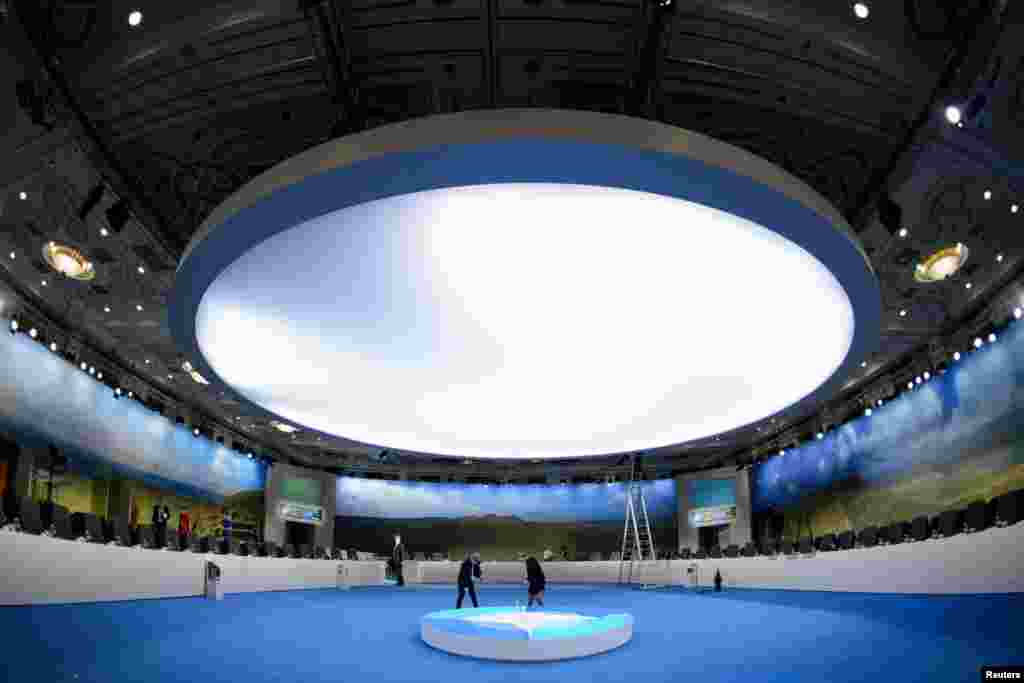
column 397, row 557
column 469, row 574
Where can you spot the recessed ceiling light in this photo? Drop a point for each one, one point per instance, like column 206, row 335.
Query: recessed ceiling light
column 1017, row 313
column 903, row 313
column 910, row 385
column 991, row 337
column 106, row 309
column 968, row 285
column 44, row 283
column 927, row 376
column 53, row 346
column 867, row 412
column 861, row 10
column 13, row 254
column 104, row 232
column 956, row 356
column 84, row 366
column 879, row 403
column 863, row 363
column 99, row 375
column 988, row 194
column 33, row 333
column 903, row 232
column 147, row 361
column 138, row 307
column 999, row 258
column 23, row 195
column 1014, row 208
column 142, row 271
column 978, row 343
column 953, row 114
column 134, row 18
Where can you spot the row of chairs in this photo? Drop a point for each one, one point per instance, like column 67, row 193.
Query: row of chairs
column 1001, row 511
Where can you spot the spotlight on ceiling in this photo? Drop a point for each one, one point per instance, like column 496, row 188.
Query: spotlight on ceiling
column 1014, row 208
column 968, row 285
column 92, row 370
column 104, row 232
column 23, row 195
column 867, row 412
column 903, row 313
column 927, row 376
column 134, row 18
column 138, row 307
column 33, row 333
column 878, row 403
column 14, row 325
column 903, row 232
column 782, row 452
column 863, row 363
column 917, row 380
column 195, row 432
column 999, row 258
column 142, row 271
column 117, row 392
column 956, row 356
column 987, row 195
column 84, row 366
column 991, row 337
column 53, row 346
column 13, row 255
column 978, row 342
column 953, row 114
column 1017, row 313
column 821, row 435
column 860, row 10
column 99, row 375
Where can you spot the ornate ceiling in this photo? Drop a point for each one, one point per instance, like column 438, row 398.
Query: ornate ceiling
column 175, row 114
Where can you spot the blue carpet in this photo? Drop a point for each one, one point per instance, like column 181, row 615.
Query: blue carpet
column 372, row 634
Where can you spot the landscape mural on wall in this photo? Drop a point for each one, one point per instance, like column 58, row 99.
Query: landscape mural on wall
column 955, row 439
column 501, row 522
column 120, row 455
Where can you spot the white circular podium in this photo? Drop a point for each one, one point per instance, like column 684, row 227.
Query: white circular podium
column 511, row 634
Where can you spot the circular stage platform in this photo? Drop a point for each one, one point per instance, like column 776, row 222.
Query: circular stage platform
column 514, row 635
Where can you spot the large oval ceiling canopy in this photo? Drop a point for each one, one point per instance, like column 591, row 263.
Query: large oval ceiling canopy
column 525, row 284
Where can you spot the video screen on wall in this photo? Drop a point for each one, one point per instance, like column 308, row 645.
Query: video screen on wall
column 306, row 491
column 712, row 502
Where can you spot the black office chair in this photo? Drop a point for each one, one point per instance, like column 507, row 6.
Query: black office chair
column 868, row 537
column 1010, row 508
column 62, row 522
column 786, row 548
column 920, row 528
column 749, row 550
column 976, row 518
column 732, row 550
column 846, row 540
column 94, row 529
column 827, row 543
column 31, row 517
column 700, row 554
column 147, row 537
column 806, row 545
column 684, row 553
column 237, row 547
column 290, row 551
column 769, row 546
column 715, row 553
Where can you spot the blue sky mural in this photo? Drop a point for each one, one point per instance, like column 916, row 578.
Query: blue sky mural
column 44, row 399
column 532, row 503
column 974, row 412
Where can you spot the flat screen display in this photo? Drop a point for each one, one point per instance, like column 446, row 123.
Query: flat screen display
column 306, row 491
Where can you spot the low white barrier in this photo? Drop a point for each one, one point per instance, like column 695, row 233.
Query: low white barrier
column 39, row 570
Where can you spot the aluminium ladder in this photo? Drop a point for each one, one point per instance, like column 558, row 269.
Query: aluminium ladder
column 637, row 540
